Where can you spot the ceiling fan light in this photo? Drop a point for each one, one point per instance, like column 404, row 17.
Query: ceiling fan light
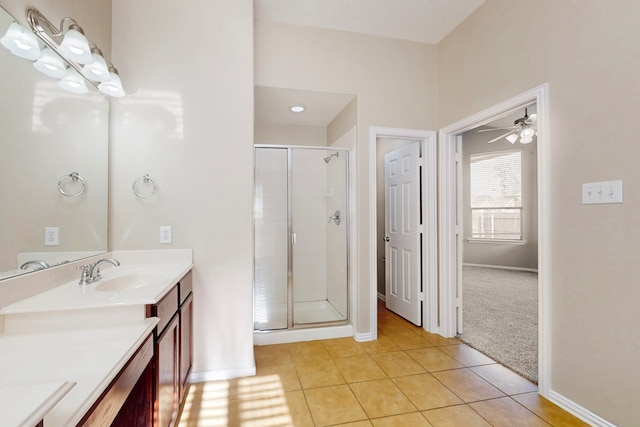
column 526, row 140
column 527, row 133
column 512, row 138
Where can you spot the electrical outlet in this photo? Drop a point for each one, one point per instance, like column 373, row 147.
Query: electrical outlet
column 51, row 235
column 602, row 192
column 165, row 234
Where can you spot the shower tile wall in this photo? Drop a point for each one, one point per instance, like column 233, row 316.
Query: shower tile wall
column 337, row 234
column 271, row 239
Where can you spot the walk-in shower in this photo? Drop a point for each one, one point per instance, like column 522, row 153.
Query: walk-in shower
column 301, row 222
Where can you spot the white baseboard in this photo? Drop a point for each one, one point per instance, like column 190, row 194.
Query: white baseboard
column 221, row 374
column 579, row 411
column 363, row 337
column 296, row 335
column 502, row 267
column 382, row 297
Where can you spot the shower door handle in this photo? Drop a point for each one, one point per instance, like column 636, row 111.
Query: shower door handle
column 336, row 217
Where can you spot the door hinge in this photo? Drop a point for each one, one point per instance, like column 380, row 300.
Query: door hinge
column 458, row 157
column 457, row 230
column 421, row 296
column 458, row 302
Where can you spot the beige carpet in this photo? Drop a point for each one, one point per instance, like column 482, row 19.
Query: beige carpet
column 500, row 316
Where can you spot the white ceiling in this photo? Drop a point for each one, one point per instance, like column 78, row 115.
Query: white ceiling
column 426, row 21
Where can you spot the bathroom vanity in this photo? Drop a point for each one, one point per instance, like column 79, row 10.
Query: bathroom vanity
column 114, row 352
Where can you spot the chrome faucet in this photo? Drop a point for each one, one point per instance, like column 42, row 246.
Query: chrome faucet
column 91, row 272
column 39, row 262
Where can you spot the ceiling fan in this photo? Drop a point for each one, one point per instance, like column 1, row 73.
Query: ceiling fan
column 523, row 128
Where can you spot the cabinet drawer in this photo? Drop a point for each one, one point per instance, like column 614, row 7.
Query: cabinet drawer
column 186, row 287
column 164, row 309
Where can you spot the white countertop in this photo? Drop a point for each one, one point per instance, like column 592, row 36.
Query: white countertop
column 91, row 358
column 26, row 405
column 60, row 337
column 152, row 282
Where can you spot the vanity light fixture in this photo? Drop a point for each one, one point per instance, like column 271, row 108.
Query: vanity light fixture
column 98, row 69
column 73, row 82
column 83, row 57
column 113, row 86
column 297, row 108
column 51, row 64
column 21, row 43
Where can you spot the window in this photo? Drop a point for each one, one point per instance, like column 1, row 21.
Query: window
column 496, row 196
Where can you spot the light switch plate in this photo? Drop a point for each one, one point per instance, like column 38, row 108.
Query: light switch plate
column 602, row 192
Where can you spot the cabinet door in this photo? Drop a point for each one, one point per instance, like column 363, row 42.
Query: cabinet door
column 186, row 343
column 167, row 375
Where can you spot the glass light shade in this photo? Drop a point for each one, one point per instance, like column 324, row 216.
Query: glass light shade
column 527, row 133
column 51, row 64
column 97, row 70
column 112, row 87
column 21, row 42
column 75, row 47
column 526, row 140
column 73, row 82
column 512, row 138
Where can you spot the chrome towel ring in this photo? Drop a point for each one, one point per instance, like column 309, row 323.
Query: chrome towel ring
column 74, row 177
column 145, row 180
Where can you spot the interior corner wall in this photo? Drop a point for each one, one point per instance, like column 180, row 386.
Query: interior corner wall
column 395, row 84
column 344, row 121
column 188, row 121
column 588, row 53
column 498, row 254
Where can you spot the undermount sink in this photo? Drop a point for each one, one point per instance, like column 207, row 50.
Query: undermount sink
column 126, row 282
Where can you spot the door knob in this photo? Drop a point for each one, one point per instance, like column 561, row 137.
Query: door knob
column 386, row 238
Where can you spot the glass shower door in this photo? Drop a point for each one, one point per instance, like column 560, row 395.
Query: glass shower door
column 270, row 210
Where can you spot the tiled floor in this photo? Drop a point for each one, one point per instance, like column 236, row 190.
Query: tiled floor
column 408, row 377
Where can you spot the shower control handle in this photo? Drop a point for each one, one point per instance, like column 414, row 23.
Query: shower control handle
column 336, row 217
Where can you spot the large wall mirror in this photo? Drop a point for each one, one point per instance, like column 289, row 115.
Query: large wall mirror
column 46, row 135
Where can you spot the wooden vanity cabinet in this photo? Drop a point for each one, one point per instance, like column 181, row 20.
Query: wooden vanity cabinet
column 173, row 349
column 128, row 399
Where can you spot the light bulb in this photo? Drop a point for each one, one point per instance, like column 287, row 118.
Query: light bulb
column 51, row 64
column 527, row 133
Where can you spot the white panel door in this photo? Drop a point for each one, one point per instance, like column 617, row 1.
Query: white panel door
column 402, row 232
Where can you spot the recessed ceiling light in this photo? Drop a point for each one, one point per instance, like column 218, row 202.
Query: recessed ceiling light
column 297, row 108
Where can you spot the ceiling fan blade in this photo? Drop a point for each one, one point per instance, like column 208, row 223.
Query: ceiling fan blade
column 501, row 136
column 489, row 130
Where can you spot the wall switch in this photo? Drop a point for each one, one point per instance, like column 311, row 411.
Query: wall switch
column 165, row 234
column 51, row 236
column 602, row 192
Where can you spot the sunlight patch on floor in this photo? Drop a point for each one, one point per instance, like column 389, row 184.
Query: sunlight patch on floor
column 246, row 402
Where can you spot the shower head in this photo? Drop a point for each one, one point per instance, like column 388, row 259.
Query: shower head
column 328, row 159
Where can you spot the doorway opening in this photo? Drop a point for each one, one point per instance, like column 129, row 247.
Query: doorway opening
column 450, row 222
column 381, row 141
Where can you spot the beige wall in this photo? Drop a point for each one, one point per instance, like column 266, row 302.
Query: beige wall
column 277, row 134
column 588, row 52
column 188, row 122
column 395, row 82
